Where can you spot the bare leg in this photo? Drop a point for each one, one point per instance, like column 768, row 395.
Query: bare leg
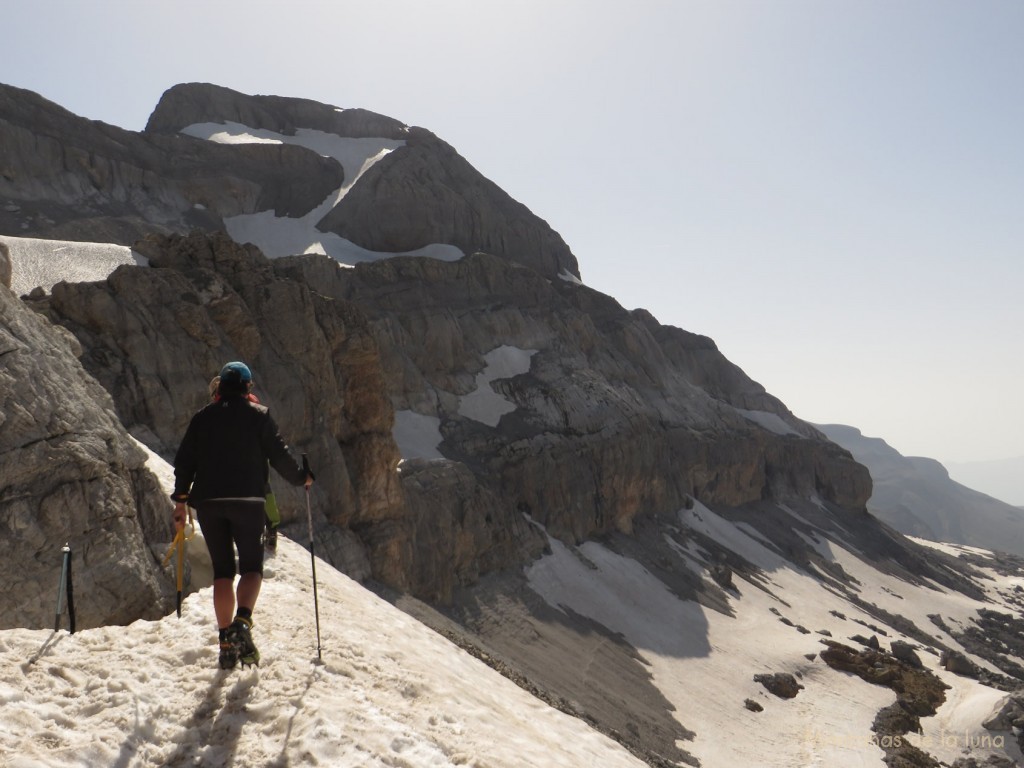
column 248, row 590
column 224, row 601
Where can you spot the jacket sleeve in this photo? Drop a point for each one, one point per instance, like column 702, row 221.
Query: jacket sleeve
column 185, row 463
column 277, row 453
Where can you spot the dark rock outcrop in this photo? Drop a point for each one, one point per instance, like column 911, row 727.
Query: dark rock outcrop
column 919, row 693
column 781, row 684
column 69, row 473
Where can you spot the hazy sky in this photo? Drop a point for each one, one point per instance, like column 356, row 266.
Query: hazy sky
column 830, row 190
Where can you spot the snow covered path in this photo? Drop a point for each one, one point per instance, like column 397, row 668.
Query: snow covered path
column 390, row 692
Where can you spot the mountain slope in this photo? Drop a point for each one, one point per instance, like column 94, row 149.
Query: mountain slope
column 389, row 692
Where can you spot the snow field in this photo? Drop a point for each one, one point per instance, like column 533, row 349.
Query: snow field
column 390, row 692
column 703, row 661
column 44, row 263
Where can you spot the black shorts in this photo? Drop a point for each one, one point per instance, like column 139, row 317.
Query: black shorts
column 230, row 523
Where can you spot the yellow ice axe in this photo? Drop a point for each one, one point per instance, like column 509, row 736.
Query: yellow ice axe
column 178, row 547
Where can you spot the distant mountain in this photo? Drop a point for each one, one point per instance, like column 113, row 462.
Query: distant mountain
column 917, row 496
column 1003, row 478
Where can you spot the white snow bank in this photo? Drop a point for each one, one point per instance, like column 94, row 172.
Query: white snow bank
column 485, row 405
column 390, row 692
column 44, row 263
column 356, row 155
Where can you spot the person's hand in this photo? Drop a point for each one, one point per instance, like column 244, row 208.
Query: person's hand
column 309, row 479
column 180, row 513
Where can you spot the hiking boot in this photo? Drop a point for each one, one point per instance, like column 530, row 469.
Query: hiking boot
column 228, row 655
column 239, row 635
column 270, row 541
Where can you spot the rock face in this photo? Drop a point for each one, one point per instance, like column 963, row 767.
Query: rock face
column 67, row 178
column 616, row 415
column 69, row 473
column 155, row 336
column 190, row 103
column 426, row 193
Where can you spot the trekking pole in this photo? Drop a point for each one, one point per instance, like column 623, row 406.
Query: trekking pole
column 64, row 589
column 312, row 558
column 180, row 570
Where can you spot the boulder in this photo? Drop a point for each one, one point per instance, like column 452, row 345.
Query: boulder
column 1006, row 714
column 752, row 705
column 905, row 652
column 958, row 663
column 781, row 684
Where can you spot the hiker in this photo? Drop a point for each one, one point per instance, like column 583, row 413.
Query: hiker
column 221, row 470
column 272, row 513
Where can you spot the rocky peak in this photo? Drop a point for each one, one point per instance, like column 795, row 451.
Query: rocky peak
column 190, row 103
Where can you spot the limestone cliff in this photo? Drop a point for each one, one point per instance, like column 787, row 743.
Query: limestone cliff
column 615, row 415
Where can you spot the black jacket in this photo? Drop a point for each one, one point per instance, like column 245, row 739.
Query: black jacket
column 225, row 451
